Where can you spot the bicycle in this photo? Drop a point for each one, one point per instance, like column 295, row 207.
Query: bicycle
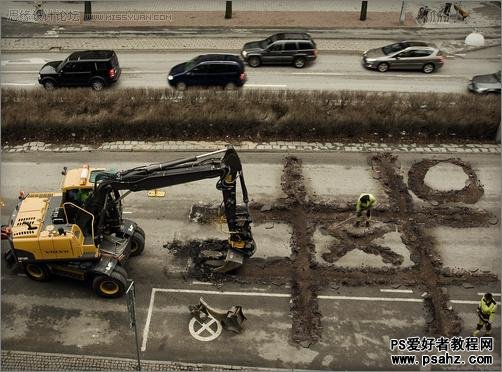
column 423, row 13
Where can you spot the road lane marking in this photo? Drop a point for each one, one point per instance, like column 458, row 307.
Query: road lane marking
column 366, row 75
column 20, row 72
column 19, row 84
column 397, row 290
column 493, row 294
column 28, row 61
column 265, row 85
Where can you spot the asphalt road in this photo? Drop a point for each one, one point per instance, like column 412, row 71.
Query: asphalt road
column 329, row 72
column 64, row 316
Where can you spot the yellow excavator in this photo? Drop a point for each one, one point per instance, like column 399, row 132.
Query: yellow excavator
column 79, row 231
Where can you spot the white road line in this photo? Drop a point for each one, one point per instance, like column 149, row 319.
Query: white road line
column 258, row 294
column 126, row 212
column 464, row 302
column 388, row 299
column 201, row 283
column 369, row 75
column 397, row 290
column 148, row 319
column 265, row 85
column 493, row 294
column 19, row 84
column 29, row 61
column 20, row 72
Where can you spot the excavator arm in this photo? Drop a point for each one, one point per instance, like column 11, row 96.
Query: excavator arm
column 105, row 201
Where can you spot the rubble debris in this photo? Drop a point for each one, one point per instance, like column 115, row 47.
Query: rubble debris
column 266, row 208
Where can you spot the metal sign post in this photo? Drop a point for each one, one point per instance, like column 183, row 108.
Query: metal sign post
column 131, row 301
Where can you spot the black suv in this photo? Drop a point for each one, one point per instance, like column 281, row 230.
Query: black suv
column 224, row 70
column 95, row 68
column 284, row 48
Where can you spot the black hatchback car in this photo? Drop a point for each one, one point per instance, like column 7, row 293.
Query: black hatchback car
column 209, row 70
column 95, row 68
column 284, row 48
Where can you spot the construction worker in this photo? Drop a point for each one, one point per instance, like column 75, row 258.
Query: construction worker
column 486, row 313
column 364, row 203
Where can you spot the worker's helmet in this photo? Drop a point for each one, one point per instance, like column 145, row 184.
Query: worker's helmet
column 365, row 198
column 488, row 296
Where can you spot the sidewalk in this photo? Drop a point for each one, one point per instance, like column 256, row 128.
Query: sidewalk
column 35, row 361
column 342, row 46
column 275, row 146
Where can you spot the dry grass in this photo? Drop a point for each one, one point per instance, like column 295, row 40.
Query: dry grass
column 81, row 115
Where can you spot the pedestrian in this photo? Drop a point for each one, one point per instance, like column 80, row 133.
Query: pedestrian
column 486, row 313
column 365, row 202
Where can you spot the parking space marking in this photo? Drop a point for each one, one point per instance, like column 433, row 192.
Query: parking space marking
column 464, row 302
column 201, row 283
column 389, row 299
column 146, row 330
column 396, row 290
column 493, row 294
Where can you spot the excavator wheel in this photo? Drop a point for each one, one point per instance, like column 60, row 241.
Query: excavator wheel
column 37, row 271
column 112, row 286
column 140, row 230
column 121, row 271
column 137, row 243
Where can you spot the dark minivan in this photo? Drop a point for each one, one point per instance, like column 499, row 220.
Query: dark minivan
column 296, row 48
column 209, row 70
column 95, row 68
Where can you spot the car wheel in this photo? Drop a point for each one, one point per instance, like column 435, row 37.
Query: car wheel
column 230, row 86
column 383, row 67
column 299, row 62
column 254, row 61
column 37, row 271
column 110, row 286
column 428, row 68
column 97, row 85
column 181, row 86
column 48, row 84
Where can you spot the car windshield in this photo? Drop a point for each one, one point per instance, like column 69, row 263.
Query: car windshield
column 63, row 62
column 264, row 43
column 497, row 76
column 191, row 64
column 394, row 48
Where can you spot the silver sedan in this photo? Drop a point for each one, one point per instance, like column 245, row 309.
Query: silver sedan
column 405, row 55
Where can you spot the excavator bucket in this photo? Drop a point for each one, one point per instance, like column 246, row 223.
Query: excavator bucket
column 230, row 319
column 233, row 260
column 221, row 262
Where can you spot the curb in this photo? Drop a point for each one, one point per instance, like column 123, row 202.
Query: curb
column 37, row 361
column 150, row 50
column 246, row 146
